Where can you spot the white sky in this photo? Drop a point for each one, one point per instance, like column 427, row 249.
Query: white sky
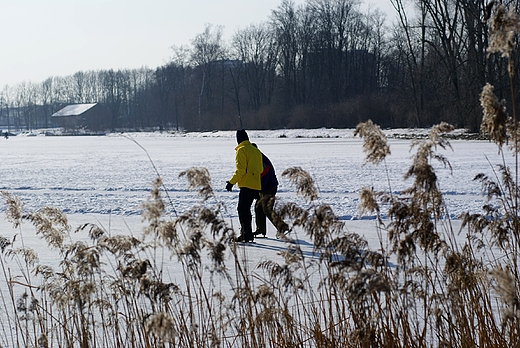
column 44, row 38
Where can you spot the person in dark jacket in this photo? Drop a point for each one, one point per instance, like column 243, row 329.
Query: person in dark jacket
column 248, row 160
column 264, row 207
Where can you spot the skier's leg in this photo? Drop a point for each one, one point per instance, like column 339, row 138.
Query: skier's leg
column 245, row 200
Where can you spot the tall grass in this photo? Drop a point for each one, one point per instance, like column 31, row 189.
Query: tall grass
column 184, row 282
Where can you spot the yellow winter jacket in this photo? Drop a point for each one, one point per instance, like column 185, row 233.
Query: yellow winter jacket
column 249, row 166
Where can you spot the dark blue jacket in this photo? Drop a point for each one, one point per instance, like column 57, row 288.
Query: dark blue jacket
column 268, row 176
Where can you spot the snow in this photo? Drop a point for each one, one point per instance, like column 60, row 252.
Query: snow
column 73, row 110
column 105, row 179
column 112, row 174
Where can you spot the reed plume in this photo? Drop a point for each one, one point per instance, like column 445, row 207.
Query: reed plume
column 199, row 178
column 303, row 182
column 14, row 209
column 495, row 118
column 161, row 325
column 506, row 287
column 503, row 26
column 375, row 144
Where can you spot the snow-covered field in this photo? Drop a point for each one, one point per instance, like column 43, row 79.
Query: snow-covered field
column 105, row 179
column 112, row 174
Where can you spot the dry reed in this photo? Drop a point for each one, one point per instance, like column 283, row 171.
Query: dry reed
column 111, row 291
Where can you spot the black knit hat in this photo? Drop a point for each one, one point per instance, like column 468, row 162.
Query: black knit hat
column 241, row 135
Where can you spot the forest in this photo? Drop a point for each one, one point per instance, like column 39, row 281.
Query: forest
column 326, row 63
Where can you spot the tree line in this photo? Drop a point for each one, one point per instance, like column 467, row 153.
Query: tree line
column 325, row 63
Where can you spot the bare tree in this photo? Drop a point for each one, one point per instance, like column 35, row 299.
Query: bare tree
column 414, row 35
column 256, row 48
column 208, row 50
column 46, row 99
column 79, row 86
column 6, row 106
column 25, row 104
column 180, row 59
column 338, row 29
column 164, row 78
column 285, row 21
column 113, row 96
column 141, row 81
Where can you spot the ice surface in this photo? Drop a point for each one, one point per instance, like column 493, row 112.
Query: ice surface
column 113, row 175
column 104, row 180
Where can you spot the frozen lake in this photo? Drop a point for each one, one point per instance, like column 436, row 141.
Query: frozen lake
column 112, row 174
column 104, row 180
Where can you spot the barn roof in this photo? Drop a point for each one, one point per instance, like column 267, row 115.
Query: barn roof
column 73, row 110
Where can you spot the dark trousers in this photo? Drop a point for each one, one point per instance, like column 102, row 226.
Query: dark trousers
column 265, row 208
column 245, row 201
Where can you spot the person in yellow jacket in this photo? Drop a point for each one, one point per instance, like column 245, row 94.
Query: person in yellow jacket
column 248, row 160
